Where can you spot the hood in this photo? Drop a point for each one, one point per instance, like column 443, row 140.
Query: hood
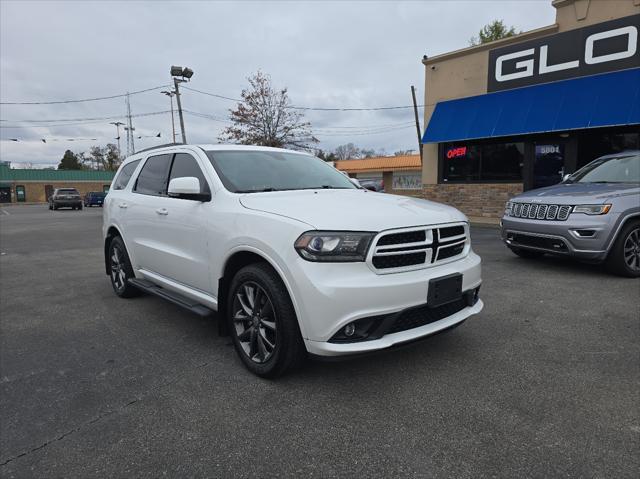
column 351, row 210
column 575, row 193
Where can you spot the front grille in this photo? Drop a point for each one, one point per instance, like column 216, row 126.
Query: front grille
column 418, row 247
column 403, row 238
column 450, row 231
column 398, row 260
column 451, row 251
column 416, row 317
column 540, row 212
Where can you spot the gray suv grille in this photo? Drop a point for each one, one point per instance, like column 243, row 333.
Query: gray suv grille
column 540, row 212
column 418, row 247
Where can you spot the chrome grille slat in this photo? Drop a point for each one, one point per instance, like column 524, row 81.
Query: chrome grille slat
column 539, row 211
column 542, row 212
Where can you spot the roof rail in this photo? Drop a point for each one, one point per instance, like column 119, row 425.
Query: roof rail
column 158, row 146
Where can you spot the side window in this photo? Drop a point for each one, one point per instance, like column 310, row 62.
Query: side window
column 152, row 179
column 123, row 178
column 186, row 165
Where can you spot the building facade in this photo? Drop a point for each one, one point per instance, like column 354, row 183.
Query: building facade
column 397, row 174
column 521, row 112
column 35, row 186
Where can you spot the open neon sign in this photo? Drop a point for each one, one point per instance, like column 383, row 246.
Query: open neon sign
column 458, row 152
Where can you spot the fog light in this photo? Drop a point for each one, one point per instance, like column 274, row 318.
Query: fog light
column 349, row 329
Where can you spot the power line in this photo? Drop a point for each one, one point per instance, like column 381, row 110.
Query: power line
column 81, row 121
column 81, row 100
column 308, row 108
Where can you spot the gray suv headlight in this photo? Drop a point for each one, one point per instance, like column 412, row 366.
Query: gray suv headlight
column 507, row 208
column 334, row 246
column 592, row 209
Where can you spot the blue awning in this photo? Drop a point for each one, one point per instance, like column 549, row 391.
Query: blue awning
column 609, row 99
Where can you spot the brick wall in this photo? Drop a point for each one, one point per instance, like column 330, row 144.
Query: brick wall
column 474, row 200
column 478, row 201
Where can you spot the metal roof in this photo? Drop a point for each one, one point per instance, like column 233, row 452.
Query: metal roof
column 384, row 163
column 15, row 174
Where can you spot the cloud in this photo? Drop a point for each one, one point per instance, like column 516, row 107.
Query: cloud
column 329, row 54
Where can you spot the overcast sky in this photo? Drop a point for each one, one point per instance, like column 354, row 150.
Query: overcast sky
column 328, row 53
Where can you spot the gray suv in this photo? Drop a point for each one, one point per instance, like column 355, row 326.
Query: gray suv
column 594, row 215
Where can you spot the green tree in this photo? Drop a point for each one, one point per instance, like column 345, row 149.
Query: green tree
column 493, row 31
column 70, row 161
column 264, row 117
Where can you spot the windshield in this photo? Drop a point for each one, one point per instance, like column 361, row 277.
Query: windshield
column 253, row 171
column 619, row 169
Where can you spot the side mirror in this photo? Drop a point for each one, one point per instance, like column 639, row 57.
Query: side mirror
column 187, row 188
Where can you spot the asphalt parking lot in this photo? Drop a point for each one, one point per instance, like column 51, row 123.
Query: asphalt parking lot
column 545, row 382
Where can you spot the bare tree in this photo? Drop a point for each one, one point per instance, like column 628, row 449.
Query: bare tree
column 403, row 152
column 347, row 152
column 104, row 158
column 264, row 118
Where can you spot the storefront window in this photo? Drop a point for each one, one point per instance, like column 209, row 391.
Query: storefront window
column 482, row 162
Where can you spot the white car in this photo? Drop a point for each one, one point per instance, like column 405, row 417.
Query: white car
column 294, row 257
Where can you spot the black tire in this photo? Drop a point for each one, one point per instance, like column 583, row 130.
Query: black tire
column 80, row 207
column 624, row 257
column 264, row 326
column 121, row 270
column 50, row 206
column 527, row 253
column 55, row 207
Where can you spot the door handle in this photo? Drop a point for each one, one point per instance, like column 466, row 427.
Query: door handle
column 162, row 211
column 122, row 205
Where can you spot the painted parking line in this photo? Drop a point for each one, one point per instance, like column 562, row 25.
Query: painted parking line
column 4, row 212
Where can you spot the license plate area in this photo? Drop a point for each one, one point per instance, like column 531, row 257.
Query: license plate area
column 445, row 289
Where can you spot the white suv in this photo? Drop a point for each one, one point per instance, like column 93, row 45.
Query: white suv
column 295, row 258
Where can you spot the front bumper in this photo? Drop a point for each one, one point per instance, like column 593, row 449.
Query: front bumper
column 561, row 237
column 330, row 296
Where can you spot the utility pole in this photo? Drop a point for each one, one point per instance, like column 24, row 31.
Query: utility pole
column 118, row 124
column 171, row 94
column 177, row 82
column 131, row 149
column 415, row 112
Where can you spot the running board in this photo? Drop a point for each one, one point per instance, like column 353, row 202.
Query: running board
column 175, row 298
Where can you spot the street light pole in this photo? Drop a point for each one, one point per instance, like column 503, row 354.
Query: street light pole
column 118, row 124
column 171, row 94
column 185, row 74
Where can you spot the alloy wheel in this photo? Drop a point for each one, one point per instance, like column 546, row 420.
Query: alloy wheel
column 254, row 321
column 118, row 274
column 632, row 250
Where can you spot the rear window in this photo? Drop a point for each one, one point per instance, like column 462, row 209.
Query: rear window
column 121, row 181
column 68, row 191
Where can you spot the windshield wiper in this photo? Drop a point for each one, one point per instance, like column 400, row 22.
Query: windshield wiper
column 257, row 191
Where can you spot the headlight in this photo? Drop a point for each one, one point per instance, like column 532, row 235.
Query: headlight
column 333, row 246
column 592, row 209
column 507, row 208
